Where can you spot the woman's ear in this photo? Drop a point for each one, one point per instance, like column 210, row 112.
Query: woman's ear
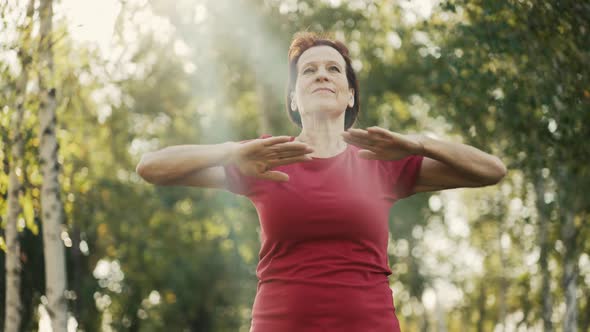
column 351, row 98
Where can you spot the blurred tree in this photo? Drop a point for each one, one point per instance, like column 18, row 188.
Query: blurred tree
column 529, row 102
column 52, row 208
column 13, row 270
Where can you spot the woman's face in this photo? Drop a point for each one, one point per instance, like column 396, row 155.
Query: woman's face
column 321, row 84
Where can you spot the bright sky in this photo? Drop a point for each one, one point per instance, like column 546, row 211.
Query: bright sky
column 93, row 21
column 90, row 20
column 415, row 10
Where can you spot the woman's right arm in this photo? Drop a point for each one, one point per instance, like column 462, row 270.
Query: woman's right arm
column 188, row 165
column 202, row 165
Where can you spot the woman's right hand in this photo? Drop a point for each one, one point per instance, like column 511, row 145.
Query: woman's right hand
column 256, row 158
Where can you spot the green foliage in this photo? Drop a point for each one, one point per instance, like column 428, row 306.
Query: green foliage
column 508, row 77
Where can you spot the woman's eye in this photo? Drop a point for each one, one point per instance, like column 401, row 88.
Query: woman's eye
column 308, row 70
column 334, row 67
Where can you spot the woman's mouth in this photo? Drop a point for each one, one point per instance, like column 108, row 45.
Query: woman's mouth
column 323, row 90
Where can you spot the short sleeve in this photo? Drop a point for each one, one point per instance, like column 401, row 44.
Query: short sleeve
column 404, row 174
column 237, row 182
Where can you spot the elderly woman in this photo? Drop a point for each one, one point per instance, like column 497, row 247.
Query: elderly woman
column 324, row 196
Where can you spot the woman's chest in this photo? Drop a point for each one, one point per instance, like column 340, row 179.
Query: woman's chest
column 324, row 206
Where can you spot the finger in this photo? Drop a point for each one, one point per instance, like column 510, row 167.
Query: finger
column 380, row 131
column 257, row 148
column 286, row 150
column 270, row 141
column 394, row 139
column 361, row 142
column 286, row 161
column 365, row 137
column 358, row 132
column 367, row 147
column 286, row 156
column 384, row 134
column 353, row 135
column 274, row 176
column 292, row 153
column 376, row 150
column 367, row 154
column 380, row 136
column 288, row 147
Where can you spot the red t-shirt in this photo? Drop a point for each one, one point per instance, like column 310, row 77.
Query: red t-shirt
column 323, row 258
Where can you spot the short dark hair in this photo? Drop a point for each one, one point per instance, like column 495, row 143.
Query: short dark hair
column 302, row 41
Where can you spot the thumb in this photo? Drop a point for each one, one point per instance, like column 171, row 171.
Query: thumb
column 274, row 176
column 367, row 154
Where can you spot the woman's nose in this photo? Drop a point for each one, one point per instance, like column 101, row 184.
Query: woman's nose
column 321, row 75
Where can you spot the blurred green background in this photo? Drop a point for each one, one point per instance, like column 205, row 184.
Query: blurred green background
column 509, row 77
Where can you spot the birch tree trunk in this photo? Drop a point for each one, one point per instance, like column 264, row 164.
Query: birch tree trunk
column 13, row 266
column 13, row 263
column 570, row 273
column 568, row 206
column 543, row 222
column 51, row 205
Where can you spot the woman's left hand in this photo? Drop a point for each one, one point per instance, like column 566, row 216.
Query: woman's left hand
column 382, row 144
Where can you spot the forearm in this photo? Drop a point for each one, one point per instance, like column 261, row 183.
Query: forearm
column 177, row 161
column 474, row 163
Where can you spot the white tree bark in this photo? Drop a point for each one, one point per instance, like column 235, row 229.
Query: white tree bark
column 51, row 205
column 543, row 222
column 569, row 204
column 13, row 265
column 13, row 262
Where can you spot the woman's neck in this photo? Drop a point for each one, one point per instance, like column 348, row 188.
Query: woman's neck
column 326, row 140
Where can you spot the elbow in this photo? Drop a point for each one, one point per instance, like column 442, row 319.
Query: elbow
column 497, row 172
column 501, row 169
column 493, row 173
column 143, row 169
column 140, row 169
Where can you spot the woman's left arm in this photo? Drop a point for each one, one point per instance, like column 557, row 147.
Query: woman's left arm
column 449, row 165
column 445, row 165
